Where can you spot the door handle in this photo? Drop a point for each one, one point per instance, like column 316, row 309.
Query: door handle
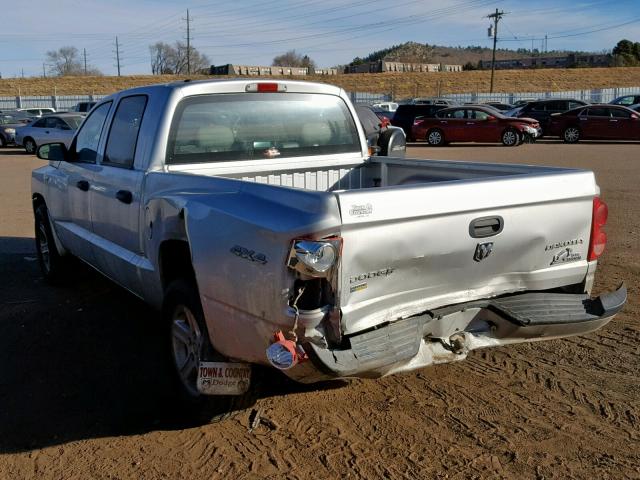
column 471, row 123
column 613, row 120
column 83, row 185
column 46, row 131
column 125, row 196
column 486, row 227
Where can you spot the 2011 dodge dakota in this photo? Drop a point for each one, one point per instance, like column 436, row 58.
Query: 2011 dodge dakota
column 253, row 216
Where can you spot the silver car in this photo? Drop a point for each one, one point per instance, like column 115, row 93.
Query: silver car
column 9, row 122
column 51, row 128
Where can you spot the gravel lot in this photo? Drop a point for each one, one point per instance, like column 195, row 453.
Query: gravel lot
column 80, row 394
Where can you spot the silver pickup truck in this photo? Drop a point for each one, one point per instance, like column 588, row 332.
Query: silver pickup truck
column 252, row 215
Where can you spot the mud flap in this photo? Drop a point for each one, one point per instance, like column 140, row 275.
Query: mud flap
column 223, row 378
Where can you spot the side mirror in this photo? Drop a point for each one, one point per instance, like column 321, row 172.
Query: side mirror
column 634, row 117
column 54, row 152
column 491, row 117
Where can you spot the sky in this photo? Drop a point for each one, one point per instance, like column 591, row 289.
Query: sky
column 331, row 32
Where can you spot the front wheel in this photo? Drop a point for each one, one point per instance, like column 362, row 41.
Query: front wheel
column 189, row 345
column 30, row 145
column 435, row 137
column 54, row 267
column 571, row 135
column 510, row 138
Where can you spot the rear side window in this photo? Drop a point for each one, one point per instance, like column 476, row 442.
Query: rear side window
column 617, row 113
column 123, row 135
column 40, row 123
column 88, row 138
column 573, row 105
column 210, row 128
column 598, row 112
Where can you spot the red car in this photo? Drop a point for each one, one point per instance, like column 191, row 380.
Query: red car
column 474, row 124
column 596, row 122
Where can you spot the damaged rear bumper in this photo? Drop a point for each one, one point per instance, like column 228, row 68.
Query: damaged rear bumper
column 447, row 334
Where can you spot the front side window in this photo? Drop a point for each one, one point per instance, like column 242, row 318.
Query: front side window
column 209, row 128
column 123, row 136
column 40, row 123
column 626, row 100
column 88, row 138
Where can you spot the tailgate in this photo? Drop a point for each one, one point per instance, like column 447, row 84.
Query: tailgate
column 411, row 248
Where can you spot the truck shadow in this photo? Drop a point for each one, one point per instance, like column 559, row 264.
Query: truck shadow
column 83, row 361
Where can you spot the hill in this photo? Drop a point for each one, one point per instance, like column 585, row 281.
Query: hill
column 401, row 85
column 413, row 52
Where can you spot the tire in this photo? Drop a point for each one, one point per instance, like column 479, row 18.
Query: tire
column 30, row 145
column 435, row 137
column 3, row 142
column 54, row 267
column 510, row 138
column 188, row 344
column 571, row 135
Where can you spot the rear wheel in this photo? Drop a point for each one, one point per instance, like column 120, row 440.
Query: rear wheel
column 510, row 138
column 189, row 345
column 435, row 137
column 3, row 142
column 571, row 135
column 30, row 145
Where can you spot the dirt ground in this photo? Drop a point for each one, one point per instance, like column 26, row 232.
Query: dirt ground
column 80, row 392
column 400, row 85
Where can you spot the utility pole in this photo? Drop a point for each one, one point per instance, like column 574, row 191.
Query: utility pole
column 545, row 44
column 84, row 53
column 118, row 55
column 44, row 71
column 188, row 44
column 496, row 17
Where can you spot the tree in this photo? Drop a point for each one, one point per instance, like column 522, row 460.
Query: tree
column 627, row 52
column 160, row 56
column 167, row 59
column 66, row 61
column 294, row 59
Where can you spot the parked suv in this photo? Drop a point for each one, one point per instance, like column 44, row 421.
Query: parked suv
column 83, row 107
column 627, row 100
column 407, row 113
column 542, row 110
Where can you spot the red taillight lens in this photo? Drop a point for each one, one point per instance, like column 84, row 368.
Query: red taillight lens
column 267, row 87
column 598, row 236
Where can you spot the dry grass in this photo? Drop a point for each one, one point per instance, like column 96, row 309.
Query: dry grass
column 401, row 85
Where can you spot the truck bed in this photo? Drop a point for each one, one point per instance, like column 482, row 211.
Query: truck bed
column 377, row 172
column 415, row 217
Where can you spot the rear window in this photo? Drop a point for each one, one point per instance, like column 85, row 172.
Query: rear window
column 210, row 128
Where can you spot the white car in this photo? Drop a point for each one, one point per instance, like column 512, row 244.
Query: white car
column 37, row 111
column 51, row 128
column 388, row 106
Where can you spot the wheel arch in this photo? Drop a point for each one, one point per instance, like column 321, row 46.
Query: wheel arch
column 175, row 261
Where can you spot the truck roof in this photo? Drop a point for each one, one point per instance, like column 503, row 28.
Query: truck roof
column 198, row 87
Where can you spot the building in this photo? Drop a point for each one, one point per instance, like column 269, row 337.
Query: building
column 566, row 61
column 381, row 66
column 231, row 69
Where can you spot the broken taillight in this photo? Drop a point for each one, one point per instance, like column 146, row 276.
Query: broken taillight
column 598, row 237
